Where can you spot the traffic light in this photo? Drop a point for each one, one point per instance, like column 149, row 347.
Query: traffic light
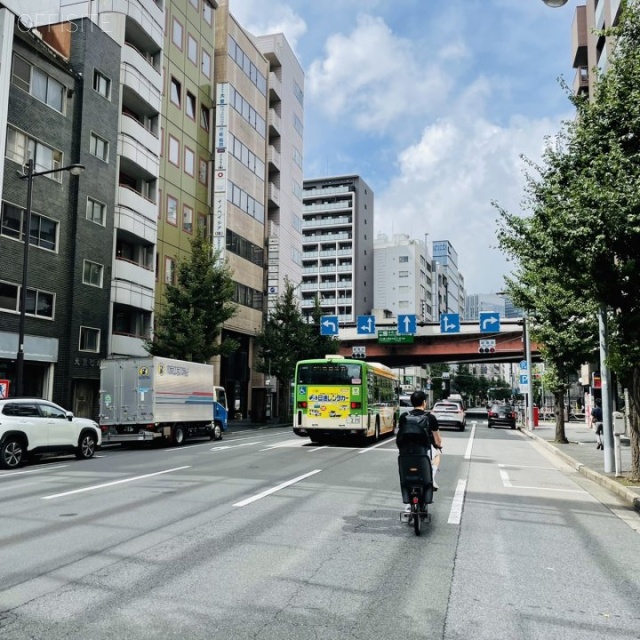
column 487, row 346
column 486, row 349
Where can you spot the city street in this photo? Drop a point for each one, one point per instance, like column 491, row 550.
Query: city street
column 265, row 536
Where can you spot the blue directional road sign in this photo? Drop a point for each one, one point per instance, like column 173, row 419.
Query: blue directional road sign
column 489, row 321
column 449, row 323
column 329, row 326
column 407, row 324
column 366, row 325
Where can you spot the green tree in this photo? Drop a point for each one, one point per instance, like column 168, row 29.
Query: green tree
column 588, row 219
column 189, row 325
column 287, row 338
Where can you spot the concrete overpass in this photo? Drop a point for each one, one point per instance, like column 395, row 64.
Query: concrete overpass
column 429, row 345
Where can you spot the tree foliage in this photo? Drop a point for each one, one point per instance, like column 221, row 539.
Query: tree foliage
column 189, row 325
column 585, row 221
column 287, row 338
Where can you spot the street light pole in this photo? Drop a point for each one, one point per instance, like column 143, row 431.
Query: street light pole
column 76, row 170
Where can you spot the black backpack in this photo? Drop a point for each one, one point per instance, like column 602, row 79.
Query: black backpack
column 414, row 429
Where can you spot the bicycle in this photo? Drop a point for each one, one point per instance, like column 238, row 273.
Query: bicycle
column 417, row 488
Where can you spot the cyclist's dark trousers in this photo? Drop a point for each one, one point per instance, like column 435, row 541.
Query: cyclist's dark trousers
column 414, row 465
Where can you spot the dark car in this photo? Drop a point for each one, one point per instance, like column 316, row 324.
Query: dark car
column 502, row 414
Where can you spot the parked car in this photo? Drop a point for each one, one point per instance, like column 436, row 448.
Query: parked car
column 32, row 427
column 449, row 414
column 502, row 414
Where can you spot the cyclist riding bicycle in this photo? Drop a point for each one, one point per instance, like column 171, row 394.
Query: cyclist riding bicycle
column 419, row 435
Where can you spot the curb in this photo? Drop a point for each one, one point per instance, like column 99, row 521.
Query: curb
column 611, row 485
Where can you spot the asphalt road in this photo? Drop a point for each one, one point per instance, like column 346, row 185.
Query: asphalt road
column 264, row 536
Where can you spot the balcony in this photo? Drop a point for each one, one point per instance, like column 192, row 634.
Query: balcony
column 123, row 345
column 132, row 294
column 327, row 206
column 275, row 88
column 140, row 76
column 311, row 223
column 273, row 157
column 134, row 273
column 275, row 123
column 579, row 37
column 317, row 192
column 274, row 194
column 130, row 147
column 131, row 127
column 599, row 15
column 148, row 15
column 581, row 81
column 130, row 199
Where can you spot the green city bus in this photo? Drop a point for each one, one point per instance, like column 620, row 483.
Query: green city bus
column 337, row 396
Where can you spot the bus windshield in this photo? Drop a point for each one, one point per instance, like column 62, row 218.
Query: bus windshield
column 329, row 373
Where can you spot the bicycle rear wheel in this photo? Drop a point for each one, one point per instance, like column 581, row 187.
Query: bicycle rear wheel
column 417, row 520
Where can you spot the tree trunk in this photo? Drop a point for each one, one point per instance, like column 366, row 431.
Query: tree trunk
column 559, row 411
column 633, row 411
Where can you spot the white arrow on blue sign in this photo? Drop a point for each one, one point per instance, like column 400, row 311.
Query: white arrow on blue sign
column 449, row 323
column 407, row 324
column 489, row 321
column 366, row 324
column 329, row 326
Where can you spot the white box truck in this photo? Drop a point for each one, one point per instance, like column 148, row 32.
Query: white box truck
column 144, row 399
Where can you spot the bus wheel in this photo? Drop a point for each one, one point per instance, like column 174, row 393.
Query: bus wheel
column 376, row 436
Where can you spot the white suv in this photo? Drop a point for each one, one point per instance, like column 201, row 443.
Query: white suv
column 450, row 414
column 31, row 427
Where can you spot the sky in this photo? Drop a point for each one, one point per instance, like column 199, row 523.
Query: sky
column 434, row 103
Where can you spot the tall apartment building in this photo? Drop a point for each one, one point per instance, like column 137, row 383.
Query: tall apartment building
column 186, row 133
column 403, row 276
column 239, row 190
column 478, row 303
column 450, row 293
column 284, row 165
column 337, row 254
column 589, row 48
column 61, row 92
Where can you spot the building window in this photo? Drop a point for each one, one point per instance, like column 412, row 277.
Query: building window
column 190, row 106
column 203, row 171
column 189, row 162
column 176, row 34
column 207, row 12
column 194, row 3
column 192, row 49
column 89, row 339
column 99, row 147
column 96, row 211
column 187, row 219
column 299, row 94
column 172, row 211
column 40, row 304
column 297, row 157
column 174, row 151
column 403, row 258
column 169, row 270
column 21, row 147
column 297, row 125
column 403, row 274
column 206, row 64
column 101, row 84
column 205, row 118
column 92, row 273
column 39, row 84
column 176, row 92
column 44, row 231
column 202, row 224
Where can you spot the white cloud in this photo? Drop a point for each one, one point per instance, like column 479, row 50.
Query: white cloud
column 448, row 179
column 375, row 77
column 280, row 18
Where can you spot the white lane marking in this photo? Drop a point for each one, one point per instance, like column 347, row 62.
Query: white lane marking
column 185, row 446
column 287, row 443
column 505, row 478
column 19, row 473
column 549, row 489
column 324, row 446
column 467, row 453
column 234, row 446
column 111, row 484
column 375, row 446
column 268, row 492
column 523, row 466
column 455, row 515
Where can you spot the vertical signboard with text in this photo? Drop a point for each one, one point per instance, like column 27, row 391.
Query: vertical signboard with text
column 220, row 170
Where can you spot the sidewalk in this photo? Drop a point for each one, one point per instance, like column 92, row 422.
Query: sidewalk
column 581, row 453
